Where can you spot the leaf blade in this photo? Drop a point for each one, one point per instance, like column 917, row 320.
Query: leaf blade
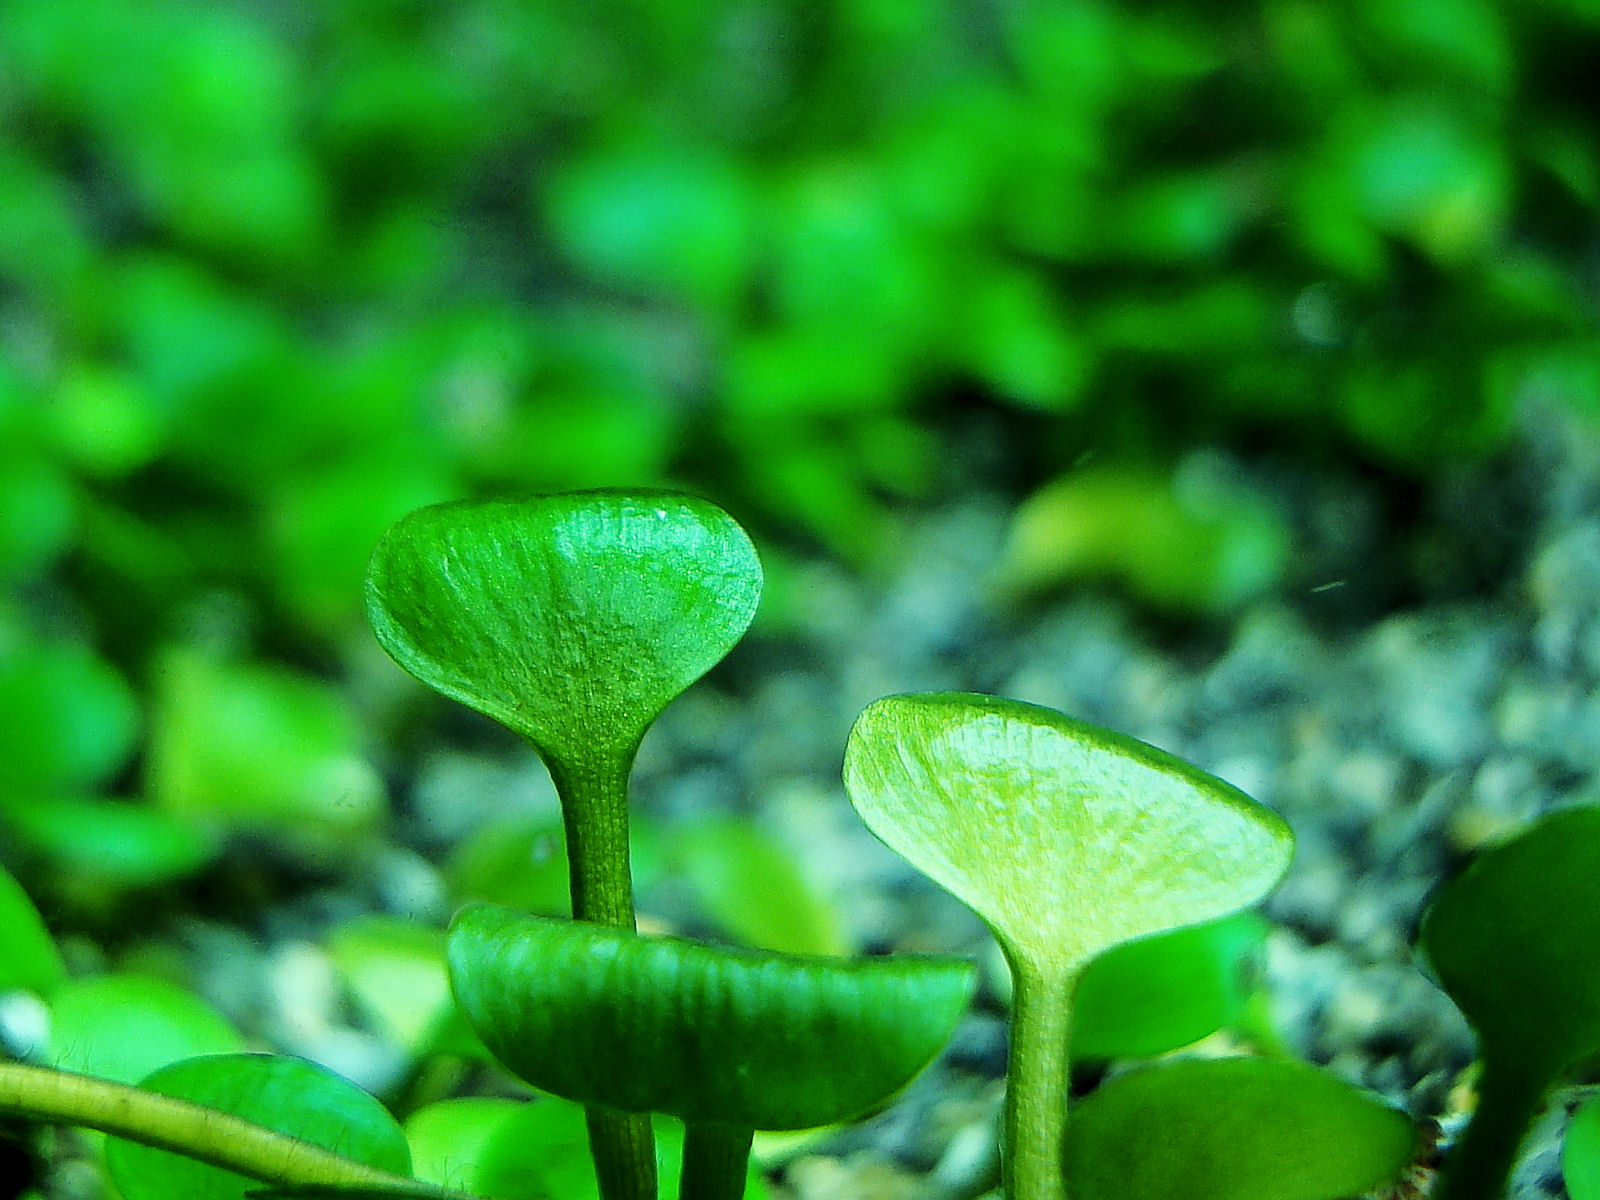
column 703, row 1033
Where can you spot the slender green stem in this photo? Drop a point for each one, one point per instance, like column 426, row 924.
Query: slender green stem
column 594, row 809
column 716, row 1161
column 623, row 1147
column 192, row 1130
column 1037, row 1084
column 1480, row 1162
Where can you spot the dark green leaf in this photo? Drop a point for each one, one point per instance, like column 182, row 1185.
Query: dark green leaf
column 699, row 1032
column 1515, row 940
column 573, row 619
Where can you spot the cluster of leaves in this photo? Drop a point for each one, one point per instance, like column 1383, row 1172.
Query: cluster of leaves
column 270, row 280
column 1106, row 869
column 315, row 271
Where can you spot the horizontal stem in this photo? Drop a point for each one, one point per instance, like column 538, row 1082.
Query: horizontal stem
column 207, row 1135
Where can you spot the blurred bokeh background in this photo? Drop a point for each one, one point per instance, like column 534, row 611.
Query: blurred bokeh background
column 273, row 274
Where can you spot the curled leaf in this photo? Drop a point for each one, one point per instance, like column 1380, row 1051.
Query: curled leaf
column 703, row 1033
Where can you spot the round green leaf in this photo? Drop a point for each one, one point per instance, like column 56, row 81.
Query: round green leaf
column 1147, row 997
column 1233, row 1129
column 395, row 973
column 253, row 747
column 122, row 1027
column 702, row 1033
column 287, row 1094
column 1515, row 940
column 67, row 719
column 1066, row 838
column 574, row 619
column 1580, row 1153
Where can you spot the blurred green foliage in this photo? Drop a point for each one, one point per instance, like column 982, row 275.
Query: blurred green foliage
column 271, row 276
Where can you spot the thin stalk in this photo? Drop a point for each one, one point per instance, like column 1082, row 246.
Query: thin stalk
column 207, row 1135
column 716, row 1161
column 1037, row 1084
column 1481, row 1160
column 594, row 810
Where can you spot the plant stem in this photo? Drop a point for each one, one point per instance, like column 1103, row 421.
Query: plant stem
column 623, row 1147
column 1037, row 1083
column 594, row 810
column 192, row 1130
column 1481, row 1160
column 716, row 1161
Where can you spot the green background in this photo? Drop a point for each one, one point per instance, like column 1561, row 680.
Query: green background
column 271, row 275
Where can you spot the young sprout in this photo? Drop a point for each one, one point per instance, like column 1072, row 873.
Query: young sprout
column 727, row 1040
column 1067, row 839
column 1515, row 940
column 1234, row 1129
column 574, row 620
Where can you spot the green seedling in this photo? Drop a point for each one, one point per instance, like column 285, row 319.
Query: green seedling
column 1067, row 840
column 727, row 1040
column 574, row 620
column 1515, row 940
column 1234, row 1129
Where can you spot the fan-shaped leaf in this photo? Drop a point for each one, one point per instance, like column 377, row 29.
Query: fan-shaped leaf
column 1066, row 838
column 574, row 619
